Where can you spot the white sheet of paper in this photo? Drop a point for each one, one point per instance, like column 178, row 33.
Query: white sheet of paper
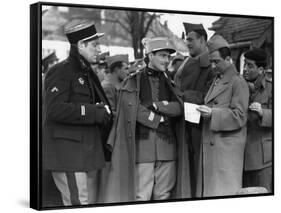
column 190, row 113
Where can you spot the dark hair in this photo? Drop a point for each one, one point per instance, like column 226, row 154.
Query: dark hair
column 261, row 64
column 201, row 33
column 117, row 64
column 224, row 52
column 258, row 55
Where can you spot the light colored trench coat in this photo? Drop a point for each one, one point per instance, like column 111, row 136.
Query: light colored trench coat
column 224, row 136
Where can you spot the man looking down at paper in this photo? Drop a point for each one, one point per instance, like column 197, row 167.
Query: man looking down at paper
column 224, row 126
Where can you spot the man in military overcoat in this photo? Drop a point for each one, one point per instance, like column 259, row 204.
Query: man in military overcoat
column 77, row 114
column 224, row 127
column 117, row 71
column 194, row 78
column 258, row 151
column 150, row 156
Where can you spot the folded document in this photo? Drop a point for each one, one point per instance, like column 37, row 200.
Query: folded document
column 191, row 113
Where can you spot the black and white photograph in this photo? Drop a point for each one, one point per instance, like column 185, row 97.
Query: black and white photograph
column 145, row 105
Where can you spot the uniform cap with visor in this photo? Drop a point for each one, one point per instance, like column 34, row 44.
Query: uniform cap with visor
column 84, row 30
column 157, row 44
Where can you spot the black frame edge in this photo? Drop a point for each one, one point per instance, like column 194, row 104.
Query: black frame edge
column 35, row 103
column 35, row 54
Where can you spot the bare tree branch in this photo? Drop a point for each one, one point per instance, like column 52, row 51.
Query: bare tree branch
column 152, row 17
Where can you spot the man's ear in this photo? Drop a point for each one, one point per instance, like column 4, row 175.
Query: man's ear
column 202, row 40
column 80, row 44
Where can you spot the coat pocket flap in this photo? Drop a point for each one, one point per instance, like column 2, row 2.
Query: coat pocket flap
column 267, row 150
column 68, row 134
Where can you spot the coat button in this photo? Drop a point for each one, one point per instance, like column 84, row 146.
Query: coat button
column 129, row 104
column 129, row 121
column 212, row 143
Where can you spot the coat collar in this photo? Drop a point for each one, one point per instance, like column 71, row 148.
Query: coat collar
column 260, row 82
column 78, row 61
column 219, row 85
column 204, row 59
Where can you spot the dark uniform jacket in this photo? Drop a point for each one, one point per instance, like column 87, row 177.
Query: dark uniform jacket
column 73, row 124
column 156, row 147
column 258, row 151
column 194, row 78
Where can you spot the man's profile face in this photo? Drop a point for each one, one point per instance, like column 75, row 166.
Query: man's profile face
column 123, row 71
column 90, row 50
column 194, row 43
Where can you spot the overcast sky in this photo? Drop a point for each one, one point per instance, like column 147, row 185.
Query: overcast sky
column 175, row 22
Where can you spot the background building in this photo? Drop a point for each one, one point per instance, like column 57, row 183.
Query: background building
column 244, row 33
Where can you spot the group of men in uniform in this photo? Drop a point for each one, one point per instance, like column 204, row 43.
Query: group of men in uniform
column 136, row 123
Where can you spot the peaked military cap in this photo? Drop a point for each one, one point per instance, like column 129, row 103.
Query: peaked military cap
column 257, row 55
column 198, row 28
column 116, row 58
column 157, row 44
column 216, row 42
column 84, row 30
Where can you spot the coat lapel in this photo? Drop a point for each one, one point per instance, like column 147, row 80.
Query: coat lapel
column 218, row 86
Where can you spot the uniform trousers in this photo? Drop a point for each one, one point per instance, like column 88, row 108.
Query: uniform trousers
column 77, row 188
column 261, row 177
column 155, row 180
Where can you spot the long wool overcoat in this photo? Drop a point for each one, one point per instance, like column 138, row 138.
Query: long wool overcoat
column 120, row 185
column 224, row 136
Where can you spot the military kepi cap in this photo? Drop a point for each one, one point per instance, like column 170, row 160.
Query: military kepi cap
column 216, row 42
column 116, row 58
column 81, row 30
column 157, row 44
column 198, row 28
column 256, row 54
